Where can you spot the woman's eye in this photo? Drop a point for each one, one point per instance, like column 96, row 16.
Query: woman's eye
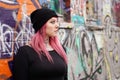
column 52, row 22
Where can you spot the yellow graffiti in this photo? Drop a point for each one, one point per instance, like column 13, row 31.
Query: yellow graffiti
column 111, row 54
column 4, row 69
column 9, row 6
column 28, row 5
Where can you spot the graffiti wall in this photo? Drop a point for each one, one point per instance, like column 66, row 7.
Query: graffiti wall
column 93, row 43
column 89, row 29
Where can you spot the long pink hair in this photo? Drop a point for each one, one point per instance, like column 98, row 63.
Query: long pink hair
column 38, row 44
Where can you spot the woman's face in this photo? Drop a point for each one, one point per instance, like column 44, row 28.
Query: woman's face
column 52, row 27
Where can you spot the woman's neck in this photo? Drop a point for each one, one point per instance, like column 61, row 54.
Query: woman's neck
column 47, row 44
column 46, row 41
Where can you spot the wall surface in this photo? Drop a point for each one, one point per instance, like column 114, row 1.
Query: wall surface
column 89, row 29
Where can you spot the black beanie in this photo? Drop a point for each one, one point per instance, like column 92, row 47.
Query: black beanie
column 40, row 16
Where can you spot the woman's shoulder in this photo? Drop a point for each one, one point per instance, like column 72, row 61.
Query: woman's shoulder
column 24, row 49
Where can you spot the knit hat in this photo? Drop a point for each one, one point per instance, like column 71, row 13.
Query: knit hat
column 40, row 16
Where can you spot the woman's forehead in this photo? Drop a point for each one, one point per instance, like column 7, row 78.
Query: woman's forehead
column 53, row 18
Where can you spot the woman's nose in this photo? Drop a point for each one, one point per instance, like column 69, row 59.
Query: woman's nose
column 57, row 25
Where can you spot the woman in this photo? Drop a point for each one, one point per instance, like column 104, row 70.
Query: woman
column 44, row 58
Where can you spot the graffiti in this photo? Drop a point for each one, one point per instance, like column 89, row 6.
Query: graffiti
column 5, row 72
column 112, row 51
column 85, row 60
column 6, row 40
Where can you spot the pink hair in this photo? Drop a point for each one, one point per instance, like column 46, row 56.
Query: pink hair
column 38, row 45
